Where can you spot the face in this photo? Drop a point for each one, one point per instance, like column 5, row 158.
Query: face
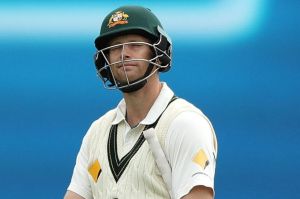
column 125, row 69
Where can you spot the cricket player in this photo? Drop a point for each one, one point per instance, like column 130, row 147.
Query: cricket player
column 153, row 145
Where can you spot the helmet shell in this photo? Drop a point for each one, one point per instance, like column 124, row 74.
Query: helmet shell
column 128, row 20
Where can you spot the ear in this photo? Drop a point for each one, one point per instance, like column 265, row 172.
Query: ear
column 158, row 61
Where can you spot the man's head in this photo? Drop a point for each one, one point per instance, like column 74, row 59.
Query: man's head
column 127, row 33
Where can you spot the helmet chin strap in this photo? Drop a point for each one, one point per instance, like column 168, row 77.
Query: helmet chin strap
column 132, row 87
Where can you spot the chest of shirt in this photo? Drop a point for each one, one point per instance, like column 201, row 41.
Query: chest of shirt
column 126, row 165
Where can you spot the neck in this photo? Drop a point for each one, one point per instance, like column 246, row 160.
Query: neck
column 139, row 103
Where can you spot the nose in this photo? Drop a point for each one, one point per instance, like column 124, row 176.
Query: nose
column 125, row 54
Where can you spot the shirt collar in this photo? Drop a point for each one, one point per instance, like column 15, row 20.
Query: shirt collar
column 121, row 112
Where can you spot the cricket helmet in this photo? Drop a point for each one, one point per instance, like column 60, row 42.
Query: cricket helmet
column 132, row 20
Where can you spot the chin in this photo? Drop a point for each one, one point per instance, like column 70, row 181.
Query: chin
column 124, row 80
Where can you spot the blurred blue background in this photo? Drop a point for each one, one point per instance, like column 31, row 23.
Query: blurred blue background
column 237, row 60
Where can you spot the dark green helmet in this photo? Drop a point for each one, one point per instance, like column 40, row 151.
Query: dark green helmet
column 132, row 20
column 126, row 20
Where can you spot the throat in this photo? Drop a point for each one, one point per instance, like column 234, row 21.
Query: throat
column 133, row 122
column 134, row 126
column 139, row 103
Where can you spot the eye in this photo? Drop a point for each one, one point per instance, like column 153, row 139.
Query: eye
column 115, row 48
column 136, row 45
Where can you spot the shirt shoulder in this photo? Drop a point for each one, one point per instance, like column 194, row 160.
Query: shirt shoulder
column 108, row 116
column 191, row 149
column 98, row 126
column 190, row 125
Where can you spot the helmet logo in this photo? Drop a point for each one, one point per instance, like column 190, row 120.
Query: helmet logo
column 117, row 18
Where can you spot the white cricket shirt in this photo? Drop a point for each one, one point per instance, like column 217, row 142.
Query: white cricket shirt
column 190, row 147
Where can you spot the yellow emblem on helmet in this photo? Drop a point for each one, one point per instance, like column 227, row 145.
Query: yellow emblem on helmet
column 117, row 18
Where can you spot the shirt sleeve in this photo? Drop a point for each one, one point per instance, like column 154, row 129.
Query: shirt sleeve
column 191, row 150
column 80, row 181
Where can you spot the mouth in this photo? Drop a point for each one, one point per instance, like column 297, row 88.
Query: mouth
column 127, row 65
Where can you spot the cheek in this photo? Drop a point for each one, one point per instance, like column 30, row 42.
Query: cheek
column 147, row 54
column 112, row 59
column 113, row 56
column 109, row 57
